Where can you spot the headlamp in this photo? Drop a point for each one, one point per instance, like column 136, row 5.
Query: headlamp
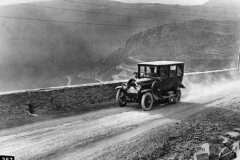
column 138, row 88
column 124, row 86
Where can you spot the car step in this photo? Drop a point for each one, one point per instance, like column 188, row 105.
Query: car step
column 165, row 97
column 158, row 97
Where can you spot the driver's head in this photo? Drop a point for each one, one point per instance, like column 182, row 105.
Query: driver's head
column 152, row 69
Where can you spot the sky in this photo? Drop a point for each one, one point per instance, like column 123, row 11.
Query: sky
column 10, row 2
column 181, row 2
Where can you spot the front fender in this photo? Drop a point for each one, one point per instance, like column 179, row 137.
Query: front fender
column 146, row 90
column 118, row 87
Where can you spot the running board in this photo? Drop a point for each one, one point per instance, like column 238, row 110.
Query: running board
column 158, row 97
column 171, row 96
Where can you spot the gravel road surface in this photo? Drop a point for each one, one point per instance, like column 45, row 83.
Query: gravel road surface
column 92, row 134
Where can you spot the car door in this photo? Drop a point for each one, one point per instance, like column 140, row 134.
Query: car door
column 175, row 75
column 164, row 76
column 172, row 75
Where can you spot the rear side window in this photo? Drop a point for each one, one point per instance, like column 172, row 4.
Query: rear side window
column 164, row 72
column 173, row 71
column 179, row 70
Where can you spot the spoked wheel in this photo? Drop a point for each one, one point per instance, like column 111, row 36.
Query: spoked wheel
column 147, row 101
column 121, row 98
column 156, row 87
column 178, row 95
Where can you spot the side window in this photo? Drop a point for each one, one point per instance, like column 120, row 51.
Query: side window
column 163, row 71
column 179, row 70
column 173, row 71
column 143, row 69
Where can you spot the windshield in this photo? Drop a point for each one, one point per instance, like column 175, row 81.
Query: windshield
column 148, row 71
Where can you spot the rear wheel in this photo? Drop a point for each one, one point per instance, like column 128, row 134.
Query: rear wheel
column 121, row 98
column 147, row 101
column 178, row 95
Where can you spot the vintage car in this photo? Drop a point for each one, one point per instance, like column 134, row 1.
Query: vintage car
column 154, row 81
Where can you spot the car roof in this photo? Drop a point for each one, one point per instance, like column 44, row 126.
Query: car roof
column 159, row 63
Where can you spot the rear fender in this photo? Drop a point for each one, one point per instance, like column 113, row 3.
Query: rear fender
column 146, row 90
column 177, row 85
column 181, row 86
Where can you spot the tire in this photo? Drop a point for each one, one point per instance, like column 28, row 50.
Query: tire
column 121, row 98
column 147, row 101
column 178, row 95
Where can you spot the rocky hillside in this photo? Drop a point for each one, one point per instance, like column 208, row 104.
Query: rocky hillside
column 43, row 44
column 192, row 41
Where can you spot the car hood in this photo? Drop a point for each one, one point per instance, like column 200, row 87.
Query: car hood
column 145, row 81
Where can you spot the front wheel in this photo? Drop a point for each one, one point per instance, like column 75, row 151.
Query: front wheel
column 121, row 98
column 147, row 101
column 178, row 95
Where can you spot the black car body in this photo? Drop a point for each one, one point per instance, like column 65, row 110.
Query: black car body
column 154, row 81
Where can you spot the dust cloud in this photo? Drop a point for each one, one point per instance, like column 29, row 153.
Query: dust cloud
column 210, row 86
column 38, row 54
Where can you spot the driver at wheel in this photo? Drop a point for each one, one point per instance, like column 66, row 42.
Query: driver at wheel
column 153, row 74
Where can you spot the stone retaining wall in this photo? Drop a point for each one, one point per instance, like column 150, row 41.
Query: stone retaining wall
column 57, row 98
column 74, row 97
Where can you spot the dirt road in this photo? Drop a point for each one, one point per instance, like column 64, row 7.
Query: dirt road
column 89, row 135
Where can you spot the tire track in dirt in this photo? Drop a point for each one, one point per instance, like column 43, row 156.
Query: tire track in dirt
column 69, row 138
